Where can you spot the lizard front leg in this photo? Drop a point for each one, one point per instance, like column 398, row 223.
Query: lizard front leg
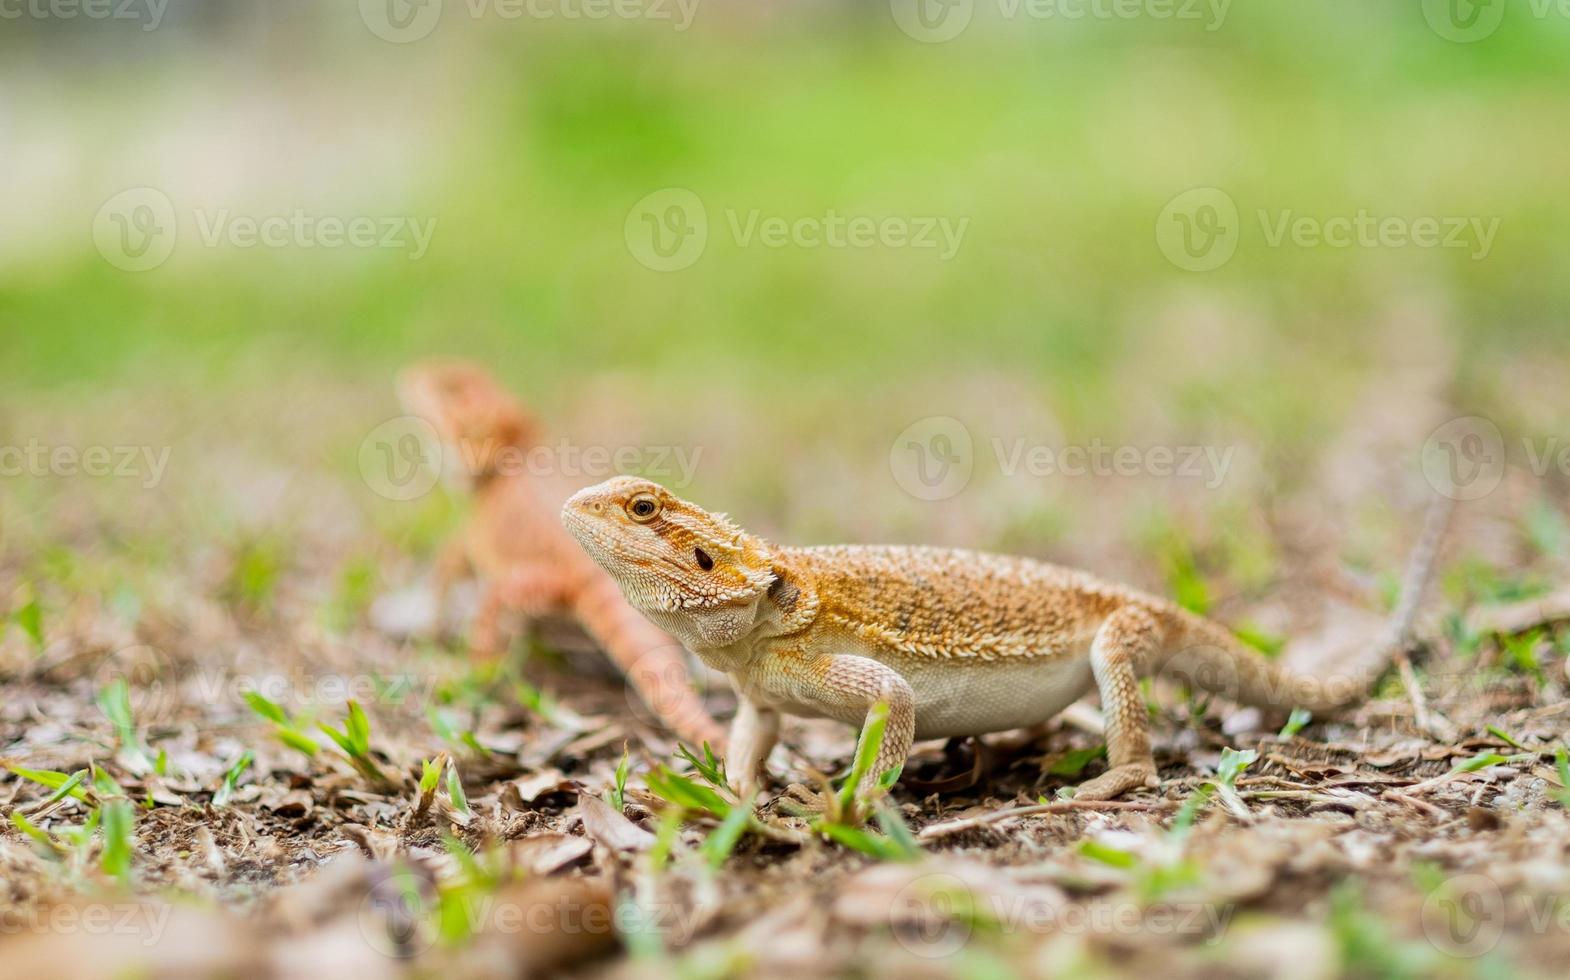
column 753, row 733
column 1123, row 646
column 849, row 687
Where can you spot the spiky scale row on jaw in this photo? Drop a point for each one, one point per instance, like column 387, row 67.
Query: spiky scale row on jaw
column 955, row 642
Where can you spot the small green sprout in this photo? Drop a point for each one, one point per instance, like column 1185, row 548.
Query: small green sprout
column 685, row 793
column 1562, row 764
column 1232, row 765
column 1504, row 737
column 460, row 801
column 1228, row 770
column 665, row 837
column 718, row 845
column 876, row 846
column 431, row 774
column 618, row 798
column 30, row 619
column 710, row 768
column 538, row 702
column 461, row 739
column 1073, row 762
column 1522, row 652
column 866, row 757
column 38, row 835
column 1296, row 722
column 1183, row 820
column 62, row 783
column 115, row 702
column 354, row 738
column 1479, row 762
column 232, row 777
column 285, row 730
column 118, row 822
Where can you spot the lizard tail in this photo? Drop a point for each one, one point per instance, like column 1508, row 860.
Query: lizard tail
column 1209, row 657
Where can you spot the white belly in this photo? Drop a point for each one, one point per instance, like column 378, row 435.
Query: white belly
column 973, row 698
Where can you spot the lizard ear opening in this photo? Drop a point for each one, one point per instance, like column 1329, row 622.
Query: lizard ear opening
column 705, row 562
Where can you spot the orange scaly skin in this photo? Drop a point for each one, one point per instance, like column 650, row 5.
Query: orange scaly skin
column 515, row 543
column 954, row 642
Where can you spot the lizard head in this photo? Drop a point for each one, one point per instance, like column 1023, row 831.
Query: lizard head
column 667, row 554
column 477, row 421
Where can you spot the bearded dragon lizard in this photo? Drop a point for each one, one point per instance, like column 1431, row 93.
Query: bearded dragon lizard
column 953, row 642
column 516, row 545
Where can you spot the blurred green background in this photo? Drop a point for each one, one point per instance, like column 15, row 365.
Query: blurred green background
column 1059, row 141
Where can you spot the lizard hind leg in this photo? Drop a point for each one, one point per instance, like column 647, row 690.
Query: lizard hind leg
column 1122, row 650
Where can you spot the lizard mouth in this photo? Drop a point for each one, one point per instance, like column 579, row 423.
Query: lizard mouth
column 596, row 540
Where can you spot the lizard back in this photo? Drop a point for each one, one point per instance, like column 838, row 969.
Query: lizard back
column 945, row 603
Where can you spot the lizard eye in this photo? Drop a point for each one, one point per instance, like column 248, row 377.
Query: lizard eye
column 704, row 561
column 642, row 508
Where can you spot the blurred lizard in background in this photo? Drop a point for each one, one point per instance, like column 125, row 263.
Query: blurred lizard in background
column 514, row 542
column 953, row 642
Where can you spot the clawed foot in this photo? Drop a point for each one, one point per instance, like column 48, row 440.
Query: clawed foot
column 1119, row 780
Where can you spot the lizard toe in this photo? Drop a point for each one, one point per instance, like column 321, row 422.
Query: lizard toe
column 1119, row 780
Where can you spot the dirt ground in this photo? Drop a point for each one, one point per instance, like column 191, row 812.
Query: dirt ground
column 1414, row 837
